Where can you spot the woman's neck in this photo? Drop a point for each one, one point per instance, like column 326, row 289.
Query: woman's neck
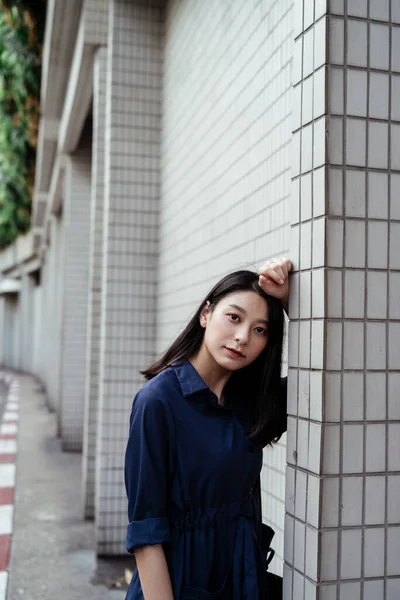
column 214, row 376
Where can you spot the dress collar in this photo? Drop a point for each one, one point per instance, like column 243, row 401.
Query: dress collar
column 191, row 382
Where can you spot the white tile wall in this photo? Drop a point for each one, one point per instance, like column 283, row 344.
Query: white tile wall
column 226, row 166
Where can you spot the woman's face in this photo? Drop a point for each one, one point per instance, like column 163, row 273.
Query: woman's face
column 236, row 331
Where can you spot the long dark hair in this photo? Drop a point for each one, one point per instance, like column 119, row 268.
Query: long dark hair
column 260, row 382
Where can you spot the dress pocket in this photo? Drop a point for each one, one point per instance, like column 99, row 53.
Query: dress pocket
column 189, row 593
column 224, row 592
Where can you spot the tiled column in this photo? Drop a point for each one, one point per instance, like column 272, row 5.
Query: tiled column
column 2, row 329
column 53, row 311
column 343, row 484
column 95, row 274
column 59, row 279
column 42, row 333
column 133, row 117
column 48, row 273
column 37, row 328
column 26, row 323
column 11, row 331
column 76, row 216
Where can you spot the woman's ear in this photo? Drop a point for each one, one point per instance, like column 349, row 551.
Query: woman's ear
column 205, row 311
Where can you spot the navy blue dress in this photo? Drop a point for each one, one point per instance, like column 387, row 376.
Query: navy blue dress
column 193, row 485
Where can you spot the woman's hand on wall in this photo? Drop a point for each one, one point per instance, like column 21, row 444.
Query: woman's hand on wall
column 274, row 279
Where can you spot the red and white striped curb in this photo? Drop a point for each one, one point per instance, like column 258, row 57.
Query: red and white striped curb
column 8, row 453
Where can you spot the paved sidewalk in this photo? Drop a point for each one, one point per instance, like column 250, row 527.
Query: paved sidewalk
column 52, row 552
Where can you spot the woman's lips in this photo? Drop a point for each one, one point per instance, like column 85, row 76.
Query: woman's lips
column 234, row 353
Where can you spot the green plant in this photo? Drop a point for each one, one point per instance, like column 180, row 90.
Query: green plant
column 21, row 35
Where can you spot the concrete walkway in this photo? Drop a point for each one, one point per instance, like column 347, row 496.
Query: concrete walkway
column 52, row 552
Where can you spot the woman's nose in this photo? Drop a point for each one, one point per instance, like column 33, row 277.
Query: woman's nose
column 241, row 336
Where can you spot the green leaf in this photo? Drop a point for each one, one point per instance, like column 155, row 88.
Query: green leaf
column 20, row 74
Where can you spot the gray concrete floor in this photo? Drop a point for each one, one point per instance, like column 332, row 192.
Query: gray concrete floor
column 52, row 553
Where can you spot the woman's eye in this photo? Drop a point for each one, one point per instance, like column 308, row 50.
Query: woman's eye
column 233, row 317
column 260, row 330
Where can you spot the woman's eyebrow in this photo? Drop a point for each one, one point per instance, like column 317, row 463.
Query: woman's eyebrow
column 239, row 308
column 242, row 310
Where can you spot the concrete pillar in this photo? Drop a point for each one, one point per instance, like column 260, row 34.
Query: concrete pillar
column 95, row 289
column 133, row 121
column 343, row 518
column 76, row 216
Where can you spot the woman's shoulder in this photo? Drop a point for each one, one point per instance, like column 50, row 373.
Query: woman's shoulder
column 159, row 389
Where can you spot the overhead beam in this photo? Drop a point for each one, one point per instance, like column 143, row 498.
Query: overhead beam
column 92, row 33
column 55, row 197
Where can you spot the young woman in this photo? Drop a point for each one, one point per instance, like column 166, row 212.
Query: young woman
column 194, row 454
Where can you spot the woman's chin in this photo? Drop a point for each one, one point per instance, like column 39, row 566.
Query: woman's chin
column 229, row 363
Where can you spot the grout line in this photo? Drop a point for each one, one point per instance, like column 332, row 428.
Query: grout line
column 386, row 488
column 365, row 328
column 341, row 433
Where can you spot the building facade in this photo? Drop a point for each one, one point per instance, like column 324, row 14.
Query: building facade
column 180, row 140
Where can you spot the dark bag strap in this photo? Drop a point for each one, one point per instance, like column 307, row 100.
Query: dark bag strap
column 267, row 534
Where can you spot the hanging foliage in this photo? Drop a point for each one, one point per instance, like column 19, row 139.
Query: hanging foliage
column 21, row 37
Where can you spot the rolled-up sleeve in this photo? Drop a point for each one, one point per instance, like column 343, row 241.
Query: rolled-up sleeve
column 147, row 470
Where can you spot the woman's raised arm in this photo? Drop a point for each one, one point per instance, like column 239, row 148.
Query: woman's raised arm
column 274, row 279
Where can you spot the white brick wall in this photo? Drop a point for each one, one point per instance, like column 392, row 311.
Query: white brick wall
column 226, row 165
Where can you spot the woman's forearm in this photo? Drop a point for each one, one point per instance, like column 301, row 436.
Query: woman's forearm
column 153, row 573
